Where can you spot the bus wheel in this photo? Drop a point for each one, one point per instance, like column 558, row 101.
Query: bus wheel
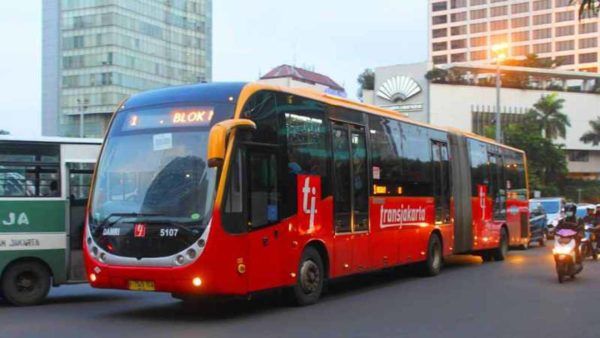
column 310, row 278
column 433, row 264
column 502, row 250
column 26, row 283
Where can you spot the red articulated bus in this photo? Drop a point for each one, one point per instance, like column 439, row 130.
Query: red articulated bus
column 229, row 189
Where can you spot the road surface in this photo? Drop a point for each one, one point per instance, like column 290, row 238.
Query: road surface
column 519, row 297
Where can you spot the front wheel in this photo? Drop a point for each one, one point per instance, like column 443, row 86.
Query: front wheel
column 502, row 250
column 26, row 283
column 310, row 278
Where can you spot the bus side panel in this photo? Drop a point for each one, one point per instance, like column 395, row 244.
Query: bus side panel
column 54, row 259
column 517, row 219
column 34, row 228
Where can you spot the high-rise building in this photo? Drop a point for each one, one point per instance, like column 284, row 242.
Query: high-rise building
column 464, row 31
column 98, row 52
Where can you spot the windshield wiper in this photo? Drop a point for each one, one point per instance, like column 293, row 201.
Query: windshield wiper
column 120, row 216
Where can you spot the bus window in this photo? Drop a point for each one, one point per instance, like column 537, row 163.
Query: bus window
column 263, row 193
column 29, row 170
column 360, row 181
column 416, row 179
column 341, row 172
column 233, row 221
column 386, row 152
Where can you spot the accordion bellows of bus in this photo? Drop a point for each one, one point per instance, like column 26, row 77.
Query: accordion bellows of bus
column 231, row 188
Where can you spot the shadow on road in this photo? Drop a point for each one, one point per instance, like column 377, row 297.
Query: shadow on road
column 263, row 303
column 73, row 299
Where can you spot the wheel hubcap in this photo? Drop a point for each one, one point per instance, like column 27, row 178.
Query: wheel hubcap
column 310, row 277
column 26, row 282
column 437, row 259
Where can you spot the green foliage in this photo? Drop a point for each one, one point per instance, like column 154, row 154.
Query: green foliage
column 592, row 136
column 546, row 161
column 587, row 8
column 437, row 75
column 590, row 191
column 548, row 116
column 4, row 132
column 366, row 80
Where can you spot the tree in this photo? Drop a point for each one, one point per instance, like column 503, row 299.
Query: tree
column 547, row 115
column 592, row 136
column 4, row 132
column 366, row 80
column 546, row 160
column 587, row 7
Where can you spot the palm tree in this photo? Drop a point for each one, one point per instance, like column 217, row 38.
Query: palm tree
column 592, row 136
column 547, row 114
column 587, row 7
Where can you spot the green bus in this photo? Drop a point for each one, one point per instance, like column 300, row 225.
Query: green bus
column 44, row 185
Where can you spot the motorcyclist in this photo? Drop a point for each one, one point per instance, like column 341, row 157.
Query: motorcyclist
column 590, row 216
column 570, row 222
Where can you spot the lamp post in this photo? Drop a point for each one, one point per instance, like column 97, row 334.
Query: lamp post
column 499, row 51
column 82, row 105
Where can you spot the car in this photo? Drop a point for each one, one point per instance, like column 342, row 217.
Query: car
column 537, row 224
column 555, row 212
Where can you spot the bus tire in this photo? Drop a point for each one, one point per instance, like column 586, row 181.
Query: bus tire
column 26, row 283
column 310, row 278
column 433, row 264
column 502, row 250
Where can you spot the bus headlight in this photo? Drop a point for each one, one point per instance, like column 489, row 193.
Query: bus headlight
column 180, row 260
column 197, row 282
column 191, row 253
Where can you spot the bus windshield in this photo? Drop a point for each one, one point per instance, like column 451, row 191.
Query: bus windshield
column 153, row 169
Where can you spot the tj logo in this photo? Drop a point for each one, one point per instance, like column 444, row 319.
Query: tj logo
column 14, row 220
column 309, row 192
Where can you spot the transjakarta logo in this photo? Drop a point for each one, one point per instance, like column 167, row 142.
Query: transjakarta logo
column 404, row 215
column 309, row 201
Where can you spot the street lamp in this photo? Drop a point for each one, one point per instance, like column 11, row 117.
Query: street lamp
column 499, row 51
column 82, row 105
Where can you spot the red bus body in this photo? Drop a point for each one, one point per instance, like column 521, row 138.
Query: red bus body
column 399, row 229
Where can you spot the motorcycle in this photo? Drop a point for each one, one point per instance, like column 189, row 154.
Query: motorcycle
column 564, row 254
column 589, row 245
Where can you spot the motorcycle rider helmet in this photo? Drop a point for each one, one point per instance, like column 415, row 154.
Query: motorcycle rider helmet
column 571, row 212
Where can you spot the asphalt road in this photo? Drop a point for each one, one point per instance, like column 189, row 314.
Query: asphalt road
column 516, row 298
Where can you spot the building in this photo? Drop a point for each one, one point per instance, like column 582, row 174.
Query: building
column 466, row 100
column 295, row 77
column 463, row 31
column 98, row 52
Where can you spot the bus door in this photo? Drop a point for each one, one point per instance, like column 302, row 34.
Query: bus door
column 350, row 195
column 263, row 201
column 79, row 177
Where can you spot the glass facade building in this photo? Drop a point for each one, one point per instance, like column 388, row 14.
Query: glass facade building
column 98, row 52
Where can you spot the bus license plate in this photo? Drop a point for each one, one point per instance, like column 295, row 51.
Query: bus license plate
column 135, row 285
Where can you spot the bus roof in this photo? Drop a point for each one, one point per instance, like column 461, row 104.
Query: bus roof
column 48, row 139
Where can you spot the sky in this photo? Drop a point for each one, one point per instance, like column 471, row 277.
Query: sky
column 339, row 38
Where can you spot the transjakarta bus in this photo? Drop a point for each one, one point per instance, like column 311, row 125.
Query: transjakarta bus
column 44, row 186
column 229, row 189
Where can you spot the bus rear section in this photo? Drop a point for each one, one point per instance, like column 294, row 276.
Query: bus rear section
column 44, row 185
column 279, row 188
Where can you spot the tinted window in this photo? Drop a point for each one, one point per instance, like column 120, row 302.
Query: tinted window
column 516, row 183
column 386, row 152
column 416, row 179
column 29, row 170
column 263, row 192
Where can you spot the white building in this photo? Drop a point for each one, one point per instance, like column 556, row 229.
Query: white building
column 464, row 30
column 469, row 102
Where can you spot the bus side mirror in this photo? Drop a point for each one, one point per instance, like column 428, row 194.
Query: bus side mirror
column 218, row 137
